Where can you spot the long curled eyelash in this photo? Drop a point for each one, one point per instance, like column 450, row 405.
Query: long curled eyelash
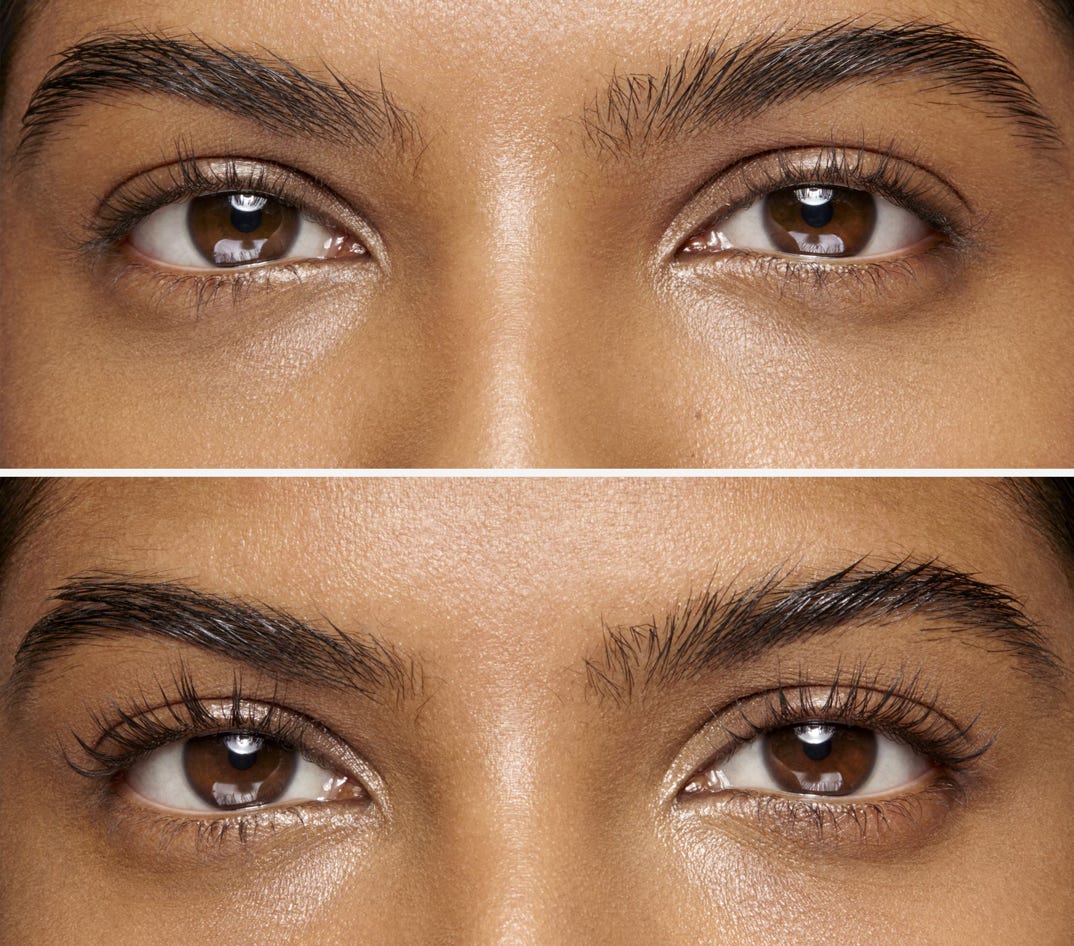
column 122, row 210
column 124, row 736
column 903, row 710
column 895, row 179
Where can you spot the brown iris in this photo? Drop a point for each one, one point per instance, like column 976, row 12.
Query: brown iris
column 820, row 758
column 238, row 770
column 820, row 221
column 235, row 229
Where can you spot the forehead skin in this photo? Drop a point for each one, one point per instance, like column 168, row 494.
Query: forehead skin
column 522, row 810
column 526, row 307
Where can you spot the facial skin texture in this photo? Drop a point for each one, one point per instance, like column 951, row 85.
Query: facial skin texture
column 512, row 802
column 524, row 300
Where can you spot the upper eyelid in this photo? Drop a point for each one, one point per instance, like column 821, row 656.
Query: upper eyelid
column 902, row 695
column 175, row 721
column 131, row 201
column 748, row 178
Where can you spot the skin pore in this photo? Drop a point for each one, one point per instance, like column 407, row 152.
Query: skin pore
column 521, row 687
column 534, row 235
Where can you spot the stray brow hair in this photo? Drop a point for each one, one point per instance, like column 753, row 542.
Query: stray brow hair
column 101, row 607
column 266, row 89
column 722, row 83
column 723, row 628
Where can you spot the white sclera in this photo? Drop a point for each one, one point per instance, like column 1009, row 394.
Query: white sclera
column 896, row 767
column 896, row 230
column 159, row 779
column 163, row 236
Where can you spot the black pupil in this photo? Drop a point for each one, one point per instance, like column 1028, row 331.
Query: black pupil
column 817, row 215
column 245, row 221
column 244, row 760
column 817, row 750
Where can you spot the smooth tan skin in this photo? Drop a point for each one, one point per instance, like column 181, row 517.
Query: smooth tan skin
column 514, row 807
column 525, row 306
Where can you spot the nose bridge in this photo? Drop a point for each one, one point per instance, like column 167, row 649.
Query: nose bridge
column 493, row 298
column 510, row 843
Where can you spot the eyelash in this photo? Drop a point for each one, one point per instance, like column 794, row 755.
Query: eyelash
column 152, row 724
column 878, row 172
column 901, row 711
column 186, row 178
column 123, row 209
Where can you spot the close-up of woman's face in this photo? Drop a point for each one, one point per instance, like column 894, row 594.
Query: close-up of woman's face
column 433, row 234
column 533, row 712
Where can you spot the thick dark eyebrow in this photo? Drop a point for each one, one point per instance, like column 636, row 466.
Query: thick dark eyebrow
column 723, row 628
column 722, row 83
column 99, row 608
column 265, row 89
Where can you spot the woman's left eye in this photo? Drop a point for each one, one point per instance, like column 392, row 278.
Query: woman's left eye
column 234, row 771
column 816, row 221
column 222, row 231
column 818, row 759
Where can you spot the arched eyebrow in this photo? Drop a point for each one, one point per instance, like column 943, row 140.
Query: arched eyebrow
column 97, row 608
column 722, row 628
column 721, row 83
column 265, row 89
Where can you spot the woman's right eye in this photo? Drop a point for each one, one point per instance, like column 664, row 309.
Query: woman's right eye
column 235, row 771
column 233, row 229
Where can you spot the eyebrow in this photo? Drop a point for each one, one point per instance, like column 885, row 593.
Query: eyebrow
column 266, row 89
column 722, row 83
column 100, row 607
column 722, row 628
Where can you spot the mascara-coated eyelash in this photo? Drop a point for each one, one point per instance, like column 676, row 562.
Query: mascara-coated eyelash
column 213, row 216
column 193, row 760
column 850, row 753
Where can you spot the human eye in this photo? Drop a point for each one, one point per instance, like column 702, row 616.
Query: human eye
column 838, row 763
column 236, row 228
column 827, row 215
column 217, row 764
column 234, row 770
column 818, row 758
column 818, row 221
column 226, row 216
